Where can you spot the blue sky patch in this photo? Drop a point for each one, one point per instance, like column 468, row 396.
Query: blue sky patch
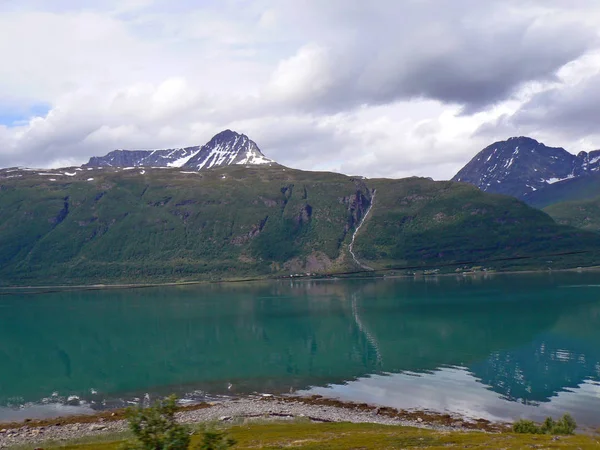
column 12, row 116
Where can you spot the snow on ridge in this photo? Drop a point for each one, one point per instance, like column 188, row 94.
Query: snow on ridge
column 231, row 152
column 181, row 161
column 254, row 157
column 557, row 180
column 226, row 148
column 594, row 160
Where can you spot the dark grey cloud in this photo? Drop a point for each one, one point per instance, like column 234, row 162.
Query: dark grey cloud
column 566, row 115
column 461, row 52
column 573, row 110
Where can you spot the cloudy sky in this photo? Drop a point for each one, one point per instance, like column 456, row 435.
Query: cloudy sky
column 378, row 88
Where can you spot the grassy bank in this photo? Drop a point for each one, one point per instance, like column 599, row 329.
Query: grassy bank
column 307, row 435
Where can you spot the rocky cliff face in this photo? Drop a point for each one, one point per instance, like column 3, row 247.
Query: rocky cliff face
column 521, row 165
column 226, row 148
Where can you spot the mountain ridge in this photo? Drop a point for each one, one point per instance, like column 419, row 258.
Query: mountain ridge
column 225, row 148
column 521, row 165
column 147, row 225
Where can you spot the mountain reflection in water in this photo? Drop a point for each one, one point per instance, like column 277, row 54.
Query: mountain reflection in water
column 523, row 338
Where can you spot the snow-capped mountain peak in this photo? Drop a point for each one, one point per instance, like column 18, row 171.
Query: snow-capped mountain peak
column 522, row 165
column 226, row 148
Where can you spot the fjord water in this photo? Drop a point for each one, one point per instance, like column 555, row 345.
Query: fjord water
column 500, row 347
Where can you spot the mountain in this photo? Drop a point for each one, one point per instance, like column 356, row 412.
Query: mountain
column 574, row 189
column 521, row 166
column 105, row 225
column 226, row 148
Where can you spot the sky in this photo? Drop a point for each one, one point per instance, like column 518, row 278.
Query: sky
column 383, row 88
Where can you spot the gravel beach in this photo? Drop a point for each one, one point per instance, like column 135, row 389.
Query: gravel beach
column 249, row 408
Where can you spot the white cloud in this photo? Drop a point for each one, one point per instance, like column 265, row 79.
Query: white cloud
column 306, row 74
column 365, row 88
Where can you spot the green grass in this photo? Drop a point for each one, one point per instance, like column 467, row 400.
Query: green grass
column 237, row 222
column 584, row 214
column 330, row 436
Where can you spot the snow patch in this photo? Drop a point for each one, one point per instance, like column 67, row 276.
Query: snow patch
column 90, row 179
column 253, row 157
column 556, row 180
column 594, row 160
column 69, row 174
column 181, row 161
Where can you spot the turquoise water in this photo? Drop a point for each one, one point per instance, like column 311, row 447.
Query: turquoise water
column 500, row 347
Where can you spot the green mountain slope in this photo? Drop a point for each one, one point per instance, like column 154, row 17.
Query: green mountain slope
column 584, row 187
column 584, row 214
column 418, row 221
column 106, row 226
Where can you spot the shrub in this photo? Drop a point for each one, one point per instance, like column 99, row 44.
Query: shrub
column 216, row 440
column 548, row 425
column 565, row 425
column 155, row 427
column 526, row 426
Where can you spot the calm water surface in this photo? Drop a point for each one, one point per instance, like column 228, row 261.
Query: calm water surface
column 502, row 347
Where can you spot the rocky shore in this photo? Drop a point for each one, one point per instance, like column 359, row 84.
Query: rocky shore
column 262, row 407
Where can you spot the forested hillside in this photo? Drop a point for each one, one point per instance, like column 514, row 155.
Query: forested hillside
column 156, row 225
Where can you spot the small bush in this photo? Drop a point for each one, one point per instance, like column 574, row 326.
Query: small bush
column 526, row 426
column 156, row 428
column 565, row 425
column 548, row 425
column 216, row 440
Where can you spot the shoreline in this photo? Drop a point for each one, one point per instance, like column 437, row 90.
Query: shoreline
column 257, row 407
column 5, row 290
